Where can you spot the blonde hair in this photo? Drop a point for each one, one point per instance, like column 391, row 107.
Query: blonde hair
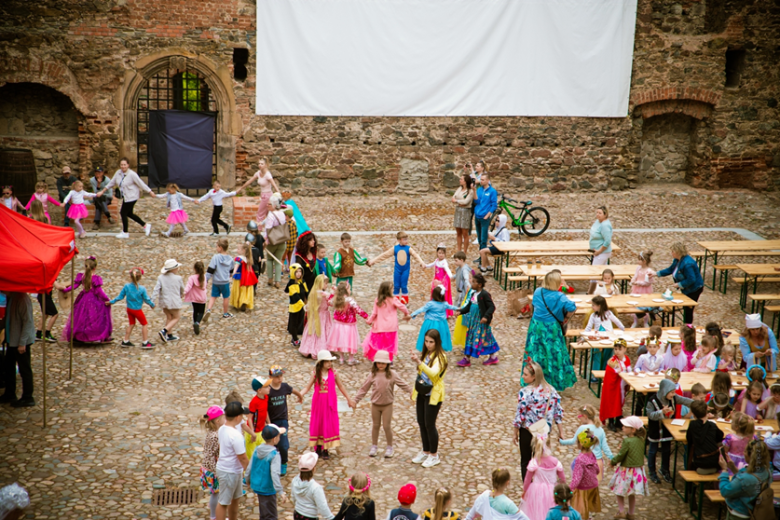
column 314, row 303
column 135, row 276
column 340, row 302
column 384, row 293
column 234, row 396
column 37, row 213
column 536, row 370
column 41, row 184
column 77, row 184
column 743, row 424
column 246, row 248
column 441, row 498
column 539, row 447
column 208, row 424
column 590, row 412
column 172, row 185
column 357, row 497
column 552, row 281
column 90, row 264
column 680, row 249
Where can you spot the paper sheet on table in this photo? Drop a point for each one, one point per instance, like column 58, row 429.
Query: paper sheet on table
column 678, row 422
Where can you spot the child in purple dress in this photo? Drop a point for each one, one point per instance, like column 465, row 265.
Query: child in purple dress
column 91, row 317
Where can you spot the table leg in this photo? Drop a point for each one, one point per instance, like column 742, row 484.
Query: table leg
column 700, row 505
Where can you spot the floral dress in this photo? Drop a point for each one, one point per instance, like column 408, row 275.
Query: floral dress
column 208, row 468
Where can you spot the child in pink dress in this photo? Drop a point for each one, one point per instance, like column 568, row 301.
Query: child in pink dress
column 384, row 323
column 442, row 275
column 344, row 336
column 324, row 420
column 42, row 194
column 544, row 471
column 318, row 327
column 195, row 293
column 642, row 283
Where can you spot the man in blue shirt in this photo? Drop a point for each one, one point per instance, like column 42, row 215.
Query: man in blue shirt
column 487, row 202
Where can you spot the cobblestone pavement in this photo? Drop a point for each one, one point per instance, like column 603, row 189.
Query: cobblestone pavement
column 128, row 420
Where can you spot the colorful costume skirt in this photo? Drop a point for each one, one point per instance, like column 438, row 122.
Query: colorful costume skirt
column 177, row 217
column 241, row 295
column 92, row 321
column 586, row 501
column 444, row 331
column 324, row 425
column 441, row 278
column 629, row 481
column 311, row 344
column 376, row 341
column 208, row 481
column 77, row 211
column 461, row 325
column 480, row 340
column 546, row 345
column 344, row 337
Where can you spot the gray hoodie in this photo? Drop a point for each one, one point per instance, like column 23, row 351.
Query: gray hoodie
column 309, row 499
column 219, row 268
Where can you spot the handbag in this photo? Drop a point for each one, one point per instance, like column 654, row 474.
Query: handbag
column 563, row 324
column 279, row 233
column 541, row 427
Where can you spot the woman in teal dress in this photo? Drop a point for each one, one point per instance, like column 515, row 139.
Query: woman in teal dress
column 545, row 342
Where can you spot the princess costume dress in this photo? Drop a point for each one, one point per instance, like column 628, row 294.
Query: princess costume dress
column 313, row 341
column 91, row 316
column 344, row 336
column 436, row 318
column 538, row 487
column 242, row 293
column 442, row 276
column 324, row 418
column 384, row 328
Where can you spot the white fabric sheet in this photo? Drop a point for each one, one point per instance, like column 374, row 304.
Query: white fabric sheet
column 444, row 57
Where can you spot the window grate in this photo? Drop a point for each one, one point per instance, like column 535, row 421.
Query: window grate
column 175, row 496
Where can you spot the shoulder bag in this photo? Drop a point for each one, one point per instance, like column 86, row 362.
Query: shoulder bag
column 563, row 323
column 422, row 386
column 541, row 427
column 279, row 233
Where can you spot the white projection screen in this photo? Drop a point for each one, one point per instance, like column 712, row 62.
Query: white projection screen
column 444, row 57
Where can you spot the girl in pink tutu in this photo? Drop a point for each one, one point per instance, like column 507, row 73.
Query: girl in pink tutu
column 344, row 336
column 324, row 421
column 91, row 317
column 78, row 210
column 317, row 330
column 177, row 215
column 442, row 275
column 384, row 323
column 544, row 471
column 42, row 194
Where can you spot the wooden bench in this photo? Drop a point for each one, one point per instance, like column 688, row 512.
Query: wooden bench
column 721, row 274
column 514, row 279
column 716, row 498
column 698, row 481
column 765, row 279
column 760, row 300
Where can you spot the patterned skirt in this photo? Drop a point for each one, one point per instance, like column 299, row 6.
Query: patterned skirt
column 546, row 345
column 629, row 481
column 208, row 481
column 463, row 217
column 479, row 338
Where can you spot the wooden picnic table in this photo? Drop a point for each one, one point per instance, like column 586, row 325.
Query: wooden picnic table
column 717, row 248
column 753, row 272
column 629, row 304
column 623, row 273
column 648, row 384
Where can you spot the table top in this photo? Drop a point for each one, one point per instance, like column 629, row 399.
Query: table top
column 570, row 271
column 764, row 297
column 546, row 245
column 623, row 301
column 634, row 336
column 648, row 384
column 740, row 245
column 759, row 269
column 678, row 431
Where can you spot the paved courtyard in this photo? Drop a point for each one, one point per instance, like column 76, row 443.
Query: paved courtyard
column 128, row 420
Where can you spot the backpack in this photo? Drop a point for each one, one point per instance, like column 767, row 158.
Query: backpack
column 764, row 505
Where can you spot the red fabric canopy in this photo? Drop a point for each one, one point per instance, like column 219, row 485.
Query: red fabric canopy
column 32, row 254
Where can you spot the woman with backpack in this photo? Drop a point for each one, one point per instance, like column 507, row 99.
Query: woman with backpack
column 748, row 493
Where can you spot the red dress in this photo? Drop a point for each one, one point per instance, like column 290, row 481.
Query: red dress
column 612, row 393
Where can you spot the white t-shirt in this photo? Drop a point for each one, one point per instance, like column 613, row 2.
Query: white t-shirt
column 216, row 196
column 231, row 445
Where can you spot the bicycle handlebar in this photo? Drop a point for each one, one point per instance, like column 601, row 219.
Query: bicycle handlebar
column 510, row 199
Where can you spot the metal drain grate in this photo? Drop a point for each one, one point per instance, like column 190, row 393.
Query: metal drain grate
column 175, row 496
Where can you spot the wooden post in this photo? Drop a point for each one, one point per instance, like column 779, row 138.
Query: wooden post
column 43, row 340
column 72, row 301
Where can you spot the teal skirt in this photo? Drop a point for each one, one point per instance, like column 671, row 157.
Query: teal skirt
column 546, row 345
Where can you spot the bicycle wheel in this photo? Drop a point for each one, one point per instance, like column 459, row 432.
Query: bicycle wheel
column 535, row 221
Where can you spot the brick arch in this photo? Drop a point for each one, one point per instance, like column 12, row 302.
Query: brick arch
column 52, row 74
column 695, row 102
column 219, row 81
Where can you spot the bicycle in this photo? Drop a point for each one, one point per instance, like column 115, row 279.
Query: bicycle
column 531, row 221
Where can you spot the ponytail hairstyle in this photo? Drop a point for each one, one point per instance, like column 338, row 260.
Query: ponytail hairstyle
column 385, row 293
column 208, row 424
column 437, row 294
column 500, row 477
column 562, row 495
column 340, row 302
column 90, row 264
column 743, row 424
column 714, row 330
column 135, row 276
column 590, row 412
column 688, row 336
column 757, row 455
column 647, row 256
column 441, row 498
column 200, row 270
column 539, row 446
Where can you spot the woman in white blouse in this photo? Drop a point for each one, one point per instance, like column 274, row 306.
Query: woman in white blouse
column 130, row 186
column 267, row 187
column 462, row 199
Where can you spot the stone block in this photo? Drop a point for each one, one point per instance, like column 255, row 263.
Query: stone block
column 413, row 176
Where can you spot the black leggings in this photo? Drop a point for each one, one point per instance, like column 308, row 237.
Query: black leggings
column 526, row 452
column 198, row 309
column 127, row 212
column 426, row 419
column 688, row 311
column 215, row 213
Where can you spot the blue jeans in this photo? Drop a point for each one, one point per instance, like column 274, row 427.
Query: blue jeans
column 482, row 231
column 65, row 212
column 284, row 443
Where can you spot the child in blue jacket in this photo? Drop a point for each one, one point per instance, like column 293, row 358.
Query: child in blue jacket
column 263, row 474
column 136, row 296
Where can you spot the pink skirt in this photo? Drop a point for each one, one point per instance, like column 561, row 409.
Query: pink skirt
column 344, row 337
column 177, row 217
column 262, row 208
column 311, row 344
column 77, row 211
column 376, row 341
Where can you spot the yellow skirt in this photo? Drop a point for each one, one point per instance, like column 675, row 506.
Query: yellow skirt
column 251, row 446
column 242, row 295
column 461, row 331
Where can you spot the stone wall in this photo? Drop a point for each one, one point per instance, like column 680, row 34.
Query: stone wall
column 97, row 55
column 666, row 143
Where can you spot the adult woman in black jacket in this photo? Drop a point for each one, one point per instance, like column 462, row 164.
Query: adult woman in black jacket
column 479, row 340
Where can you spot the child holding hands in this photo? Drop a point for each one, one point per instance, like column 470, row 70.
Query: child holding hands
column 585, row 477
column 629, row 479
column 136, row 296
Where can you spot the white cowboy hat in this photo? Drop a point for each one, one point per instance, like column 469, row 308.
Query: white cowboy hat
column 170, row 265
column 382, row 356
column 324, row 355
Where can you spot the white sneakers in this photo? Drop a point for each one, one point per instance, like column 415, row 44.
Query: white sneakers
column 420, row 458
column 431, row 461
column 122, row 234
column 147, row 229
